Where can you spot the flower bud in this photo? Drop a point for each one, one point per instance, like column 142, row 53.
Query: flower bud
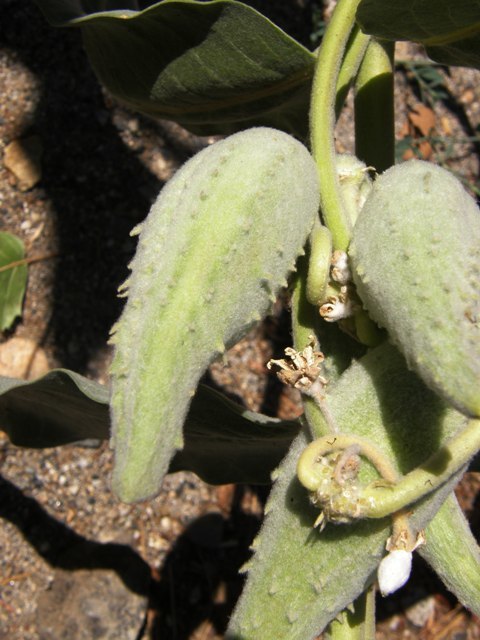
column 394, row 571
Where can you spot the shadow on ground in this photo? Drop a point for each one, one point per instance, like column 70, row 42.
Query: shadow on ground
column 199, row 580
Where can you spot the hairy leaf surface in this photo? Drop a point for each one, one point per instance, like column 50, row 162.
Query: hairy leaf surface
column 212, row 255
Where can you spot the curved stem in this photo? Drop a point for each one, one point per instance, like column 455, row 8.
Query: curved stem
column 337, row 76
column 338, row 442
column 322, row 119
column 374, row 112
column 378, row 500
column 383, row 501
column 308, row 467
column 355, row 51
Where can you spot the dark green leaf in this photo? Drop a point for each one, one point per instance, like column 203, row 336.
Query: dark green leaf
column 59, row 408
column 223, row 442
column 449, row 31
column 61, row 12
column 226, row 443
column 214, row 67
column 13, row 280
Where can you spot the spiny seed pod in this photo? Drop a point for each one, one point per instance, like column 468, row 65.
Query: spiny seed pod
column 212, row 255
column 416, row 259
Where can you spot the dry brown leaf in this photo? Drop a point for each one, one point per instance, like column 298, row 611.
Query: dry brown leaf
column 422, row 118
column 225, row 495
column 425, row 149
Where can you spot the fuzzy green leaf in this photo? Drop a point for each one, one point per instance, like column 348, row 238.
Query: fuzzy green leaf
column 449, row 31
column 300, row 579
column 453, row 552
column 223, row 442
column 13, row 281
column 213, row 67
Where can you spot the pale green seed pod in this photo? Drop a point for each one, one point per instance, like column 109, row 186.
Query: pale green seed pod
column 212, row 255
column 416, row 263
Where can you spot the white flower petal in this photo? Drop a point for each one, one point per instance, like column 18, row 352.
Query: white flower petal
column 394, row 571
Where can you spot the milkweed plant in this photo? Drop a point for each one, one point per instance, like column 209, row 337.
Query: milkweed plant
column 382, row 263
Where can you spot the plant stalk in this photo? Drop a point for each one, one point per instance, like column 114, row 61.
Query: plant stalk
column 322, row 120
column 434, row 472
column 374, row 107
column 304, row 319
column 338, row 442
column 26, row 261
column 355, row 51
column 357, row 623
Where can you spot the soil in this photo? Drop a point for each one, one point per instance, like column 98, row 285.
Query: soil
column 77, row 563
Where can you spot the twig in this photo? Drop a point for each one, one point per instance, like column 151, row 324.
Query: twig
column 19, row 263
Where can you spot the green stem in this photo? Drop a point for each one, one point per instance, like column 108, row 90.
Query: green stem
column 305, row 317
column 369, row 616
column 322, row 120
column 374, row 110
column 374, row 134
column 354, row 54
column 358, row 623
column 307, row 466
column 384, row 501
column 339, row 76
